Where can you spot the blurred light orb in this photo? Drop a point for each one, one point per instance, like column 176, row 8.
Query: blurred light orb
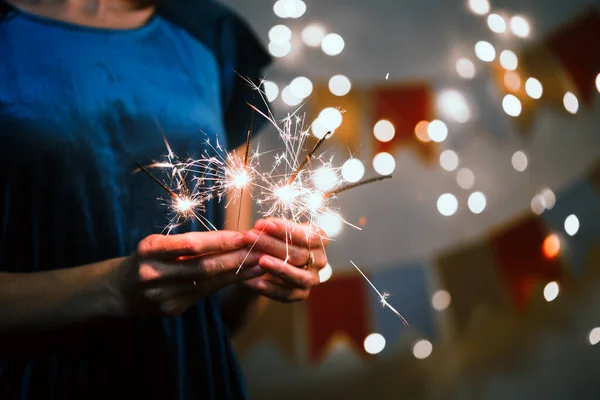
column 300, row 9
column 520, row 26
column 325, row 178
column 509, row 60
column 453, row 105
column 374, row 343
column 421, row 131
column 571, row 103
column 512, row 81
column 485, row 51
column 449, row 160
column 384, row 130
column 280, row 49
column 288, row 97
column 537, row 204
column 441, row 300
column 332, row 44
column 271, row 90
column 339, row 85
column 496, row 23
column 519, row 161
column 353, row 170
column 325, row 273
column 571, row 225
column 548, row 198
column 551, row 291
column 312, row 35
column 594, row 336
column 314, row 201
column 447, row 204
column 598, row 82
column 551, row 246
column 511, row 105
column 280, row 34
column 279, row 9
column 422, row 349
column 477, row 202
column 534, row 88
column 479, row 7
column 330, row 118
column 465, row 178
column 301, row 87
column 384, row 163
column 290, row 8
column 318, row 130
column 331, row 224
column 437, row 131
column 465, row 68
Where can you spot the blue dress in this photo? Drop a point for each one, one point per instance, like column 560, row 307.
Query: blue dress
column 78, row 106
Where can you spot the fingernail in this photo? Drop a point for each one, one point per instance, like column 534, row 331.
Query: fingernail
column 271, row 226
column 267, row 262
column 250, row 236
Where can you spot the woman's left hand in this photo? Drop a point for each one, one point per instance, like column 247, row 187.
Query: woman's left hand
column 294, row 254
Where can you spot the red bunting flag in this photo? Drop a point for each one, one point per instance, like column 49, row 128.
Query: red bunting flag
column 526, row 258
column 405, row 106
column 577, row 47
column 338, row 307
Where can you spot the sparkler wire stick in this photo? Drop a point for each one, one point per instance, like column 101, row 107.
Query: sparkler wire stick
column 246, row 155
column 307, row 158
column 355, row 185
column 155, row 179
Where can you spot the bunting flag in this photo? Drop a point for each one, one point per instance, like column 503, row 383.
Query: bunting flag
column 577, row 46
column 525, row 259
column 275, row 322
column 337, row 307
column 580, row 200
column 347, row 135
column 404, row 106
column 409, row 286
column 472, row 277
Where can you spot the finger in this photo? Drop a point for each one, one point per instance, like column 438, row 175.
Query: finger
column 279, row 293
column 303, row 235
column 189, row 244
column 278, row 248
column 302, row 278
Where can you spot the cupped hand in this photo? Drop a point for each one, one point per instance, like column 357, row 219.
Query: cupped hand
column 167, row 274
column 292, row 256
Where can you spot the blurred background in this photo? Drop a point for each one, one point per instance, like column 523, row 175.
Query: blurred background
column 487, row 238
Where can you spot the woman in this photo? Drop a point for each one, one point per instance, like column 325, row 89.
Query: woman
column 92, row 304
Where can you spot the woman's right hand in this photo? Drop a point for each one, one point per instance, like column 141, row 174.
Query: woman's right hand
column 168, row 274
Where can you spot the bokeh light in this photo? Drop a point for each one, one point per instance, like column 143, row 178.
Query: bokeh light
column 594, row 336
column 332, row 44
column 551, row 291
column 479, row 7
column 300, row 9
column 279, row 9
column 330, row 118
column 477, row 202
column 318, row 130
column 511, row 105
column 453, row 105
column 519, row 161
column 325, row 273
column 384, row 163
column 534, row 88
column 485, row 51
column 271, row 90
column 288, row 97
column 509, row 60
column 441, row 300
column 496, row 23
column 437, row 131
column 290, row 8
column 374, row 343
column 325, row 178
column 421, row 131
column 537, row 204
column 422, row 349
column 280, row 49
column 548, row 198
column 571, row 103
column 353, row 170
column 384, row 130
column 339, row 85
column 331, row 224
column 312, row 35
column 449, row 160
column 571, row 225
column 465, row 178
column 447, row 204
column 280, row 34
column 512, row 81
column 598, row 82
column 465, row 68
column 301, row 87
column 551, row 246
column 520, row 26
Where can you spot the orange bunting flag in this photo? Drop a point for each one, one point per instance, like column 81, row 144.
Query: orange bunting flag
column 338, row 307
column 577, row 46
column 346, row 136
column 527, row 257
column 408, row 108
